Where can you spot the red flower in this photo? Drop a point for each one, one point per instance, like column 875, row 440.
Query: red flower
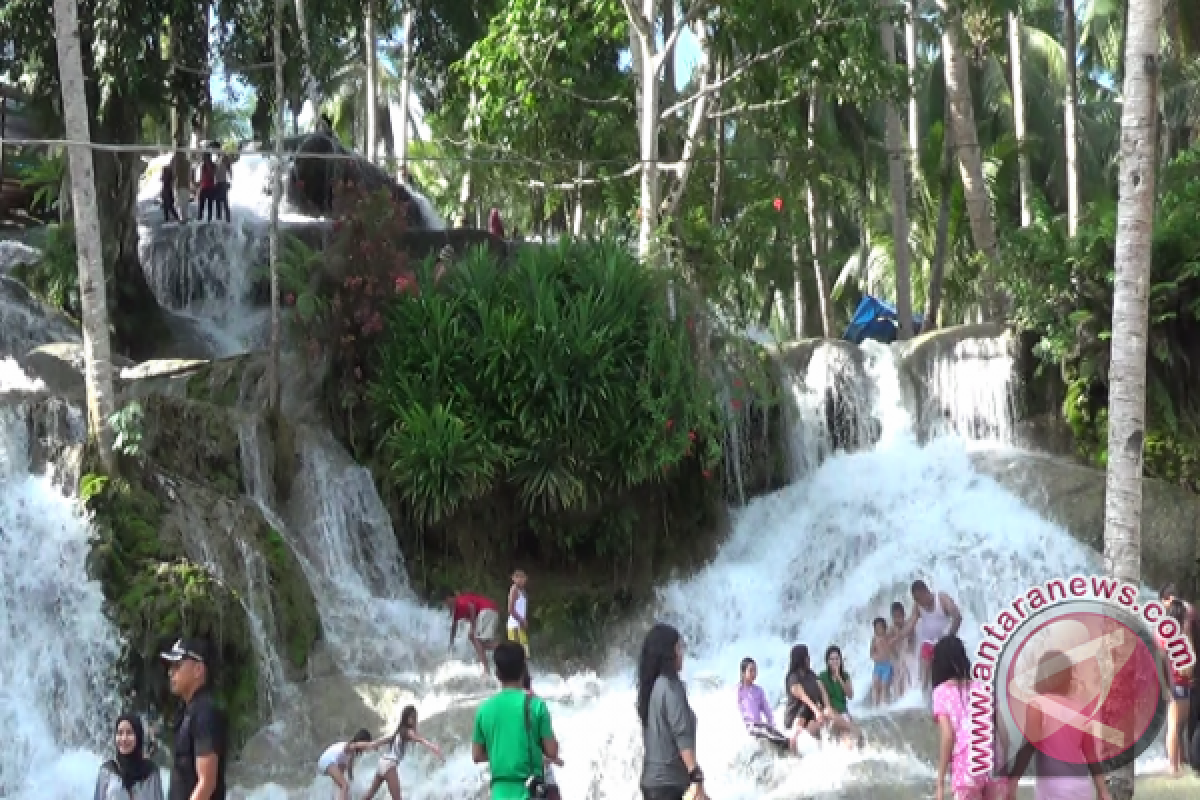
column 778, row 204
column 737, row 405
column 707, row 474
column 692, row 435
column 670, row 424
column 289, row 299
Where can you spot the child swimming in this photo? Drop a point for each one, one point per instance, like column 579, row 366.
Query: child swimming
column 883, row 654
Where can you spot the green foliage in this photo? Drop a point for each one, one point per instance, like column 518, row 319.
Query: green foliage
column 157, row 595
column 560, row 377
column 1063, row 290
column 45, row 177
column 127, row 424
column 55, row 278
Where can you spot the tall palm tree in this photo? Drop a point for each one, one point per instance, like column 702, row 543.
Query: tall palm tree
column 372, row 78
column 966, row 141
column 1127, row 373
column 93, row 303
column 1018, row 92
column 1070, row 109
column 896, row 173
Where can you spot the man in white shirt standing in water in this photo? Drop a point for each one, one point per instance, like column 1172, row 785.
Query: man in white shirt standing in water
column 934, row 615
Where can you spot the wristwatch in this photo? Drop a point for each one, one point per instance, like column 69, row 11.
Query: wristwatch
column 696, row 775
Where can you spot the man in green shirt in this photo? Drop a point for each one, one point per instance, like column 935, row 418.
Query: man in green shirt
column 513, row 733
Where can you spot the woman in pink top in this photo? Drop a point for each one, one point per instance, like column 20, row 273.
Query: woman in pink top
column 1064, row 770
column 952, row 685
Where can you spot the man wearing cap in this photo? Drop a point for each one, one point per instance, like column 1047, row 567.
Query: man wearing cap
column 198, row 766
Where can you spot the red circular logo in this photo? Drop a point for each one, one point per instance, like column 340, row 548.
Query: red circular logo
column 1082, row 685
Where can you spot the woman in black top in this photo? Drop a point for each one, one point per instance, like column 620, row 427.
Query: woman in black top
column 807, row 702
column 668, row 723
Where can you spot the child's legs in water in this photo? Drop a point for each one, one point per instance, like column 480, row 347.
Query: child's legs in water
column 339, row 779
column 393, row 783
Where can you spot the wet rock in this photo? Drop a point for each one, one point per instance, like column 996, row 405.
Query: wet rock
column 17, row 254
column 1073, row 496
column 26, row 322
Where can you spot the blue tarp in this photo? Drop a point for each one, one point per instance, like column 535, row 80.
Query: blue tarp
column 875, row 319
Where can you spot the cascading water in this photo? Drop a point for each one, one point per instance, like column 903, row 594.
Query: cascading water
column 57, row 648
column 342, row 535
column 813, row 563
column 968, row 387
column 204, row 273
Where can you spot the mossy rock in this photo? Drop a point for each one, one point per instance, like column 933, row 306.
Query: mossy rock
column 194, row 440
column 218, row 382
column 221, row 530
column 157, row 595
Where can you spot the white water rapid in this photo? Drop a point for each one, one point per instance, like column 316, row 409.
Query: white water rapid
column 812, row 563
column 57, row 649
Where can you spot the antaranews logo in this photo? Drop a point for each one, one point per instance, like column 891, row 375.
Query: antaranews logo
column 1072, row 669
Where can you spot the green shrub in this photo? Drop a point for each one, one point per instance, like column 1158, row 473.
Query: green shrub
column 55, row 278
column 560, row 377
column 1063, row 291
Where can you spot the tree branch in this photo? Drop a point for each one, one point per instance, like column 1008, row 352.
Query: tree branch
column 698, row 9
column 742, row 108
column 570, row 185
column 538, row 79
column 643, row 27
column 696, row 128
column 740, row 69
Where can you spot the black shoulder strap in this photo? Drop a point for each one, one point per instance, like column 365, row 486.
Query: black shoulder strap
column 530, row 734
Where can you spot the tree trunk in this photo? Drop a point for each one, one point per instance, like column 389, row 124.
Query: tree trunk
column 896, row 175
column 1127, row 373
column 824, row 303
column 1069, row 113
column 465, row 188
column 89, row 245
column 401, row 136
column 937, row 270
column 311, row 89
column 648, row 134
column 1018, row 91
column 274, row 381
column 372, row 79
column 718, row 133
column 966, row 140
column 797, row 289
column 914, row 118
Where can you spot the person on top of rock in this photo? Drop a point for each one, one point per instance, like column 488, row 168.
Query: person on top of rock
column 484, row 619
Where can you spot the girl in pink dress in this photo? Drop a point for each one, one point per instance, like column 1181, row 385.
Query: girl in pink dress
column 952, row 686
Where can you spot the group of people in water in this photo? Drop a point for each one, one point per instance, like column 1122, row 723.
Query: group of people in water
column 819, row 701
column 513, row 732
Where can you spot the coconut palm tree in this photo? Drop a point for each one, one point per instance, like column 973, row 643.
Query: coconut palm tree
column 93, row 303
column 1070, row 110
column 966, row 140
column 1127, row 373
column 899, row 192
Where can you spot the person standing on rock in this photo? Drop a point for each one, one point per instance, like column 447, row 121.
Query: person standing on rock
column 198, row 765
column 484, row 619
column 518, row 611
column 934, row 615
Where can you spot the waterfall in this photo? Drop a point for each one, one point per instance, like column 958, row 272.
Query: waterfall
column 831, row 402
column 342, row 535
column 966, row 384
column 208, row 275
column 57, row 648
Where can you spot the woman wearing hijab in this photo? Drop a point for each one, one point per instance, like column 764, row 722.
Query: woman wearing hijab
column 129, row 776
